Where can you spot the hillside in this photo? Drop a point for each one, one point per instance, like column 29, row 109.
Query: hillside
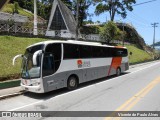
column 138, row 55
column 132, row 36
column 8, row 9
column 11, row 46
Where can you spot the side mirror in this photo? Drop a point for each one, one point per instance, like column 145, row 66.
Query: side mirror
column 17, row 56
column 35, row 56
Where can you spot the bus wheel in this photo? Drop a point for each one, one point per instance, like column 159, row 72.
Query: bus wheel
column 72, row 83
column 118, row 72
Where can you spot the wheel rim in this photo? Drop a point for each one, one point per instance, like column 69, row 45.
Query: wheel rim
column 118, row 72
column 72, row 82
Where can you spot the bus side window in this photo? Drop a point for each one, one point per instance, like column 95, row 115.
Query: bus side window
column 85, row 51
column 71, row 51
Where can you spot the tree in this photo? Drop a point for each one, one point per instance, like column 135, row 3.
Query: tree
column 114, row 7
column 110, row 31
column 15, row 7
column 83, row 7
column 43, row 6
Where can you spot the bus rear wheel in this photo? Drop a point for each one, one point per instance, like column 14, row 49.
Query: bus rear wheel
column 72, row 83
column 118, row 72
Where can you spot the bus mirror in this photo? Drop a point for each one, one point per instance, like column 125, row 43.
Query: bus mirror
column 17, row 56
column 35, row 56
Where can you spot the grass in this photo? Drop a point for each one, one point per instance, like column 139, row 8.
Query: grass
column 8, row 9
column 11, row 46
column 138, row 55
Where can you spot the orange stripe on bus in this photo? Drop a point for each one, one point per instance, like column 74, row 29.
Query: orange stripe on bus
column 116, row 62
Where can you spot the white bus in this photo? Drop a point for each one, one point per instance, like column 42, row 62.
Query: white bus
column 52, row 65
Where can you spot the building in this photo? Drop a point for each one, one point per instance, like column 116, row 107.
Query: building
column 61, row 22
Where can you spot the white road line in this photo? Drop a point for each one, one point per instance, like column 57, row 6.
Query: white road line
column 26, row 105
column 84, row 87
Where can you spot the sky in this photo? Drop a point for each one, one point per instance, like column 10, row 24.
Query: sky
column 140, row 18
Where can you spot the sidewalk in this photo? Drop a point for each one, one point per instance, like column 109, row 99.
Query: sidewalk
column 9, row 92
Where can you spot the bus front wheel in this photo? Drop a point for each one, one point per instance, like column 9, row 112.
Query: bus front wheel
column 72, row 83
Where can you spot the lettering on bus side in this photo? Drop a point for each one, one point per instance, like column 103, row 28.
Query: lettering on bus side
column 82, row 64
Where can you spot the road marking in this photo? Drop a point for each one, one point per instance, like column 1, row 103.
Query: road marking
column 83, row 88
column 129, row 104
column 26, row 105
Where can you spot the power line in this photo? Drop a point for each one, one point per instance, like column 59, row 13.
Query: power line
column 139, row 18
column 143, row 3
column 137, row 22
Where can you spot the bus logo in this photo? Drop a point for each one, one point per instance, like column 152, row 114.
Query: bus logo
column 79, row 63
column 83, row 64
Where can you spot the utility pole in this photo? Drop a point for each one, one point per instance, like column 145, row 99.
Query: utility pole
column 77, row 21
column 35, row 18
column 154, row 25
column 123, row 33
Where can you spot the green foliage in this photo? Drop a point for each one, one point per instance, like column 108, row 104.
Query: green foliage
column 43, row 6
column 121, row 35
column 10, row 22
column 88, row 22
column 114, row 7
column 90, row 30
column 138, row 55
column 28, row 25
column 9, row 9
column 109, row 32
column 83, row 7
column 9, row 47
column 16, row 7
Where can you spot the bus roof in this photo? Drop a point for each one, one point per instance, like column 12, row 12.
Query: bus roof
column 74, row 42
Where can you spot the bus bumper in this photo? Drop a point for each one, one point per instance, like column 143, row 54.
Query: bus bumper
column 35, row 89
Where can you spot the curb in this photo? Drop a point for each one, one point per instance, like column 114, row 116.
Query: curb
column 9, row 84
column 11, row 95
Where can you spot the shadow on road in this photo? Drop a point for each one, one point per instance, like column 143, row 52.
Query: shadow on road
column 48, row 95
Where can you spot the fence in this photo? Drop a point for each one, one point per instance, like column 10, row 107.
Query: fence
column 19, row 28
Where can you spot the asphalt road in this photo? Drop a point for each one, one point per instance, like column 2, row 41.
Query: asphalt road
column 137, row 89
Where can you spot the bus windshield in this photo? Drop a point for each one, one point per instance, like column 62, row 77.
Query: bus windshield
column 29, row 70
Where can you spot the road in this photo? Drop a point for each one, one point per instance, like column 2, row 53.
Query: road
column 136, row 90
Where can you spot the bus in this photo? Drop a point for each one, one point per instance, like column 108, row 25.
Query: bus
column 51, row 65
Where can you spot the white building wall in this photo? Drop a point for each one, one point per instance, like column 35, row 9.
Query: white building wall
column 60, row 33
